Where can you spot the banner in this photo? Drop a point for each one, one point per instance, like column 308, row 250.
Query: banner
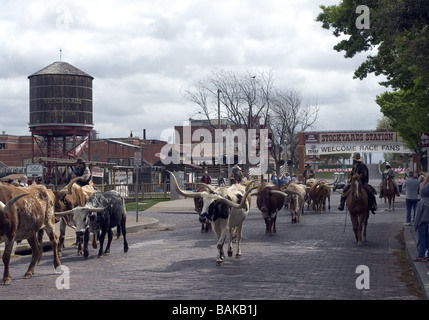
column 333, row 148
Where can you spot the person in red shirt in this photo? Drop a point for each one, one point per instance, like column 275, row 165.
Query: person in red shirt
column 206, row 178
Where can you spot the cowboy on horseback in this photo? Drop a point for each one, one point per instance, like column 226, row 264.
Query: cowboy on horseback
column 308, row 173
column 388, row 172
column 360, row 168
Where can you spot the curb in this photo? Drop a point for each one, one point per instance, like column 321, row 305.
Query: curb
column 420, row 268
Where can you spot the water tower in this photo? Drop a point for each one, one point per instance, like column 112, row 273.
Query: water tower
column 60, row 115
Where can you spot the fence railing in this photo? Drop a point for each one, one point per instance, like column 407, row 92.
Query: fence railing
column 145, row 190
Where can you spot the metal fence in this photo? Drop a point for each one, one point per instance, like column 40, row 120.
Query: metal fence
column 145, row 190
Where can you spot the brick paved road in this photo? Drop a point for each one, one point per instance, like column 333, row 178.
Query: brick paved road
column 314, row 259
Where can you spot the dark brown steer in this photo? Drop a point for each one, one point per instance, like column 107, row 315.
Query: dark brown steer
column 269, row 203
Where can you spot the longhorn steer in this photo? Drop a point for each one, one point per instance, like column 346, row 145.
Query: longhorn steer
column 102, row 212
column 226, row 208
column 71, row 196
column 296, row 200
column 269, row 202
column 318, row 193
column 23, row 220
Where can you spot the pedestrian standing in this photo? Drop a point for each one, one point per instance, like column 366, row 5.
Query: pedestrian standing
column 236, row 175
column 400, row 182
column 274, row 179
column 221, row 182
column 23, row 182
column 206, row 178
column 421, row 222
column 411, row 186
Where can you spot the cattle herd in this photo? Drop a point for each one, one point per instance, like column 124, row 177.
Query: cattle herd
column 226, row 208
column 27, row 212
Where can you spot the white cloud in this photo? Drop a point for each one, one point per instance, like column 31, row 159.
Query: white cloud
column 143, row 53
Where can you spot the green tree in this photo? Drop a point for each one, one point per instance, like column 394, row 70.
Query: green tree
column 408, row 110
column 398, row 40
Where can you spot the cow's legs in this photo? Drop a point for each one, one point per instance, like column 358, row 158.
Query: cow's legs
column 50, row 230
column 40, row 236
column 230, row 249
column 109, row 241
column 239, row 236
column 274, row 223
column 267, row 226
column 124, row 234
column 221, row 229
column 101, row 239
column 79, row 243
column 221, row 255
column 36, row 255
column 94, row 240
column 63, row 226
column 85, row 244
column 6, row 259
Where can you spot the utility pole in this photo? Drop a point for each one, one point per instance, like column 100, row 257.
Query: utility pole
column 218, row 124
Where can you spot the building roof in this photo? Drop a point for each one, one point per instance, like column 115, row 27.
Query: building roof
column 129, row 145
column 61, row 67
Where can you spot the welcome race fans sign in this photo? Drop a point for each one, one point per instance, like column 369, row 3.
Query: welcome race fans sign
column 321, row 143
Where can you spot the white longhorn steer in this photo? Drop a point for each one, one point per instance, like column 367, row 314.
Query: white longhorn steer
column 226, row 208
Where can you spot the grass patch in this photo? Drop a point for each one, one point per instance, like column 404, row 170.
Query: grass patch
column 143, row 204
column 407, row 272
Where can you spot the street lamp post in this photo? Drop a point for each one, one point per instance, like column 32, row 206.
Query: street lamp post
column 218, row 123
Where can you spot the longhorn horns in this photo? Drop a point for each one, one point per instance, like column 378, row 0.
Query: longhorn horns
column 193, row 194
column 67, row 212
column 69, row 187
column 6, row 207
column 185, row 193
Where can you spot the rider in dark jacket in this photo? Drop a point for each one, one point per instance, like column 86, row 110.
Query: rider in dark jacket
column 360, row 168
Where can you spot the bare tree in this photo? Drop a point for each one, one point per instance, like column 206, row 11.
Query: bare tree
column 247, row 100
column 243, row 97
column 289, row 115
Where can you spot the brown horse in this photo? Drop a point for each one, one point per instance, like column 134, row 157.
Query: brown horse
column 389, row 193
column 357, row 204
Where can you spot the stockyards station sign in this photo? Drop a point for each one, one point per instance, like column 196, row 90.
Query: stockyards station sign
column 321, row 143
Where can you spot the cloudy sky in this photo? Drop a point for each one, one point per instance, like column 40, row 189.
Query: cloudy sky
column 143, row 54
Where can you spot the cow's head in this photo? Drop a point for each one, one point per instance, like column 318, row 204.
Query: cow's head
column 81, row 216
column 61, row 196
column 214, row 207
column 216, row 202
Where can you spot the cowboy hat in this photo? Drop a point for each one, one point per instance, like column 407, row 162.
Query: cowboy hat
column 387, row 164
column 357, row 157
column 80, row 160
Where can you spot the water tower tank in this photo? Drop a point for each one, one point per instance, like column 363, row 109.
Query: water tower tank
column 60, row 99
